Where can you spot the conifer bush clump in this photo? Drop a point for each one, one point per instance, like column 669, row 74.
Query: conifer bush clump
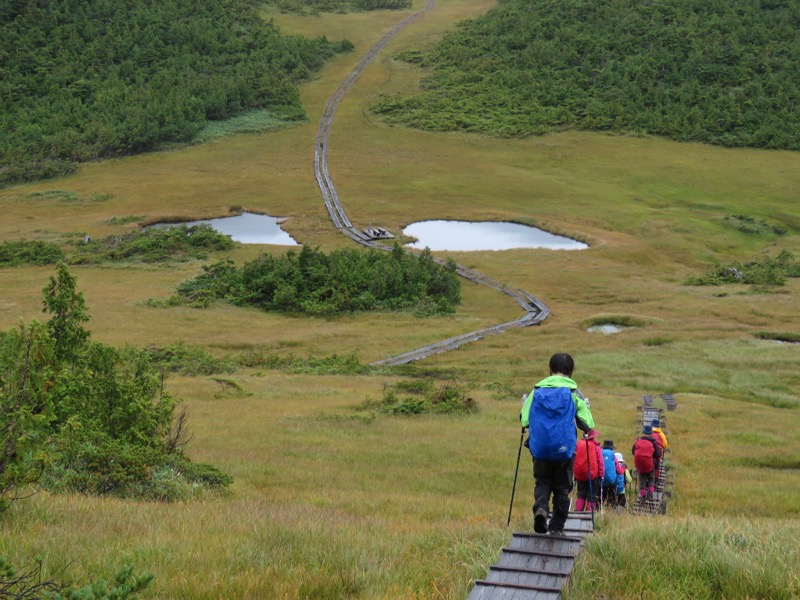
column 343, row 281
column 29, row 252
column 77, row 415
column 90, row 79
column 723, row 73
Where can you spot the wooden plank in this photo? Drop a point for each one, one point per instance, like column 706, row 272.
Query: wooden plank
column 483, row 591
column 541, row 592
column 534, row 551
column 546, row 543
column 535, row 562
column 526, row 570
column 525, row 577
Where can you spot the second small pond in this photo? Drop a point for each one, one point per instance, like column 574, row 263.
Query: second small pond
column 488, row 235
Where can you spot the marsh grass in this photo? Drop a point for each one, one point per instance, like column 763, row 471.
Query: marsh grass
column 256, row 121
column 333, row 502
column 708, row 558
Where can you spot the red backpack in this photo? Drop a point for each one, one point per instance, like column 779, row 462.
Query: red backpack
column 643, row 451
column 581, row 468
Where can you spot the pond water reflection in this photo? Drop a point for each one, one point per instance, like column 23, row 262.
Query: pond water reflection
column 606, row 328
column 489, row 235
column 247, row 228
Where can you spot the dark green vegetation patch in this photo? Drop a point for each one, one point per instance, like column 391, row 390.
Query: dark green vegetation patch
column 343, row 281
column 748, row 224
column 768, row 271
column 77, row 415
column 175, row 244
column 88, row 79
column 29, row 252
column 717, row 71
column 27, row 583
column 420, row 396
column 311, row 7
column 158, row 244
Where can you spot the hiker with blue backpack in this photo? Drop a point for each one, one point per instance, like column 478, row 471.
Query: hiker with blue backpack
column 611, row 473
column 551, row 412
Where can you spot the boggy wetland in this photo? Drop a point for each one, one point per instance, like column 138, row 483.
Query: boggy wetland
column 332, row 497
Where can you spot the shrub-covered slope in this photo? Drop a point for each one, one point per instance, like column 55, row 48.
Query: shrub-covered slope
column 88, row 79
column 717, row 71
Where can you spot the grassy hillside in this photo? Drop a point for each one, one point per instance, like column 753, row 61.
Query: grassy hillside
column 720, row 72
column 88, row 80
column 330, row 502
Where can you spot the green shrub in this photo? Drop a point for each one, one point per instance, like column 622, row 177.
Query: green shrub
column 343, row 281
column 173, row 66
column 81, row 416
column 425, row 397
column 769, row 271
column 656, row 341
column 125, row 220
column 691, row 70
column 748, row 224
column 27, row 584
column 791, row 338
column 176, row 243
column 188, row 360
column 29, row 252
column 312, row 7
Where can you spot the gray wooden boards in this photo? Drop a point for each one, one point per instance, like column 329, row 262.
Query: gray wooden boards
column 534, row 566
column 657, row 503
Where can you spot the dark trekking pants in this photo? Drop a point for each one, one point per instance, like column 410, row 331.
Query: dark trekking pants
column 610, row 495
column 553, row 478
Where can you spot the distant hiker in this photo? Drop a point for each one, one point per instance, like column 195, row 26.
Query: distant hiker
column 663, row 443
column 622, row 481
column 551, row 412
column 589, row 462
column 661, row 439
column 611, row 473
column 646, row 459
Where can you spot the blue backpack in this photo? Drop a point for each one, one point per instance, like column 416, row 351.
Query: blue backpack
column 610, row 466
column 552, row 424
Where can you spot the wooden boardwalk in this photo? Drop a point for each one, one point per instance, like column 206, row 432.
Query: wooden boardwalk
column 535, row 566
column 657, row 505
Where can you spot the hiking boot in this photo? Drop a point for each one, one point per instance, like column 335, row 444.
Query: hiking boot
column 557, row 532
column 540, row 521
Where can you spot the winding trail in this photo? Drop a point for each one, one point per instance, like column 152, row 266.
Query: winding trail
column 535, row 310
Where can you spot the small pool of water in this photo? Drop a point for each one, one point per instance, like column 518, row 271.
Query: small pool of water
column 488, row 235
column 606, row 328
column 247, row 228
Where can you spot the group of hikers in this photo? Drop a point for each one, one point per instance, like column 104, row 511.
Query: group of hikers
column 551, row 413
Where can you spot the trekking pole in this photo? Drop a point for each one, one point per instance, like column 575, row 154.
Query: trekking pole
column 589, row 462
column 516, row 472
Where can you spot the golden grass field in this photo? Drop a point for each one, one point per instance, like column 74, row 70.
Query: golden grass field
column 327, row 505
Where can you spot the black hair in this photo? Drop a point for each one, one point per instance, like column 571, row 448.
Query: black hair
column 562, row 363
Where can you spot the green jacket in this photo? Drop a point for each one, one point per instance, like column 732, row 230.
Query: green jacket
column 581, row 404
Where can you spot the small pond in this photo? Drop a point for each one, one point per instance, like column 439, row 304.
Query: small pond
column 488, row 235
column 247, row 228
column 606, row 328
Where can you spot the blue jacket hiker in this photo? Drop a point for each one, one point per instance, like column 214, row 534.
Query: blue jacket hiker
column 551, row 412
column 612, row 473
